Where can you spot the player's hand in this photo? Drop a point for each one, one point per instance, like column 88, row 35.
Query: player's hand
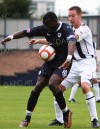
column 7, row 39
column 33, row 41
column 66, row 64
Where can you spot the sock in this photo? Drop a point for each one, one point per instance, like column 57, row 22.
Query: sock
column 96, row 91
column 60, row 100
column 28, row 115
column 90, row 101
column 73, row 91
column 58, row 112
column 28, row 118
column 32, row 102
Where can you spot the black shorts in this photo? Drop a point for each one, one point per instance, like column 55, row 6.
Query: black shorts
column 48, row 71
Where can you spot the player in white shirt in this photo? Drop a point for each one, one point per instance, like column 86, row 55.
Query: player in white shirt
column 83, row 65
column 95, row 84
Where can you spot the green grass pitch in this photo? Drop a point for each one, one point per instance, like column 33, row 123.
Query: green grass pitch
column 13, row 101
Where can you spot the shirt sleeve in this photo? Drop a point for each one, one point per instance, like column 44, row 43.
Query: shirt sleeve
column 70, row 36
column 83, row 32
column 35, row 31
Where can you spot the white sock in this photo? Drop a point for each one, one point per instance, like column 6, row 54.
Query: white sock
column 90, row 101
column 58, row 112
column 96, row 91
column 29, row 113
column 73, row 91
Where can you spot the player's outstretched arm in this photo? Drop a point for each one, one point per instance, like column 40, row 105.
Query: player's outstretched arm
column 37, row 41
column 17, row 35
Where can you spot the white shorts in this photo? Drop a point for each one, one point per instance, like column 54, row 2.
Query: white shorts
column 81, row 70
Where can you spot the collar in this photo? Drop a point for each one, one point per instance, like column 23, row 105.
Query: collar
column 59, row 26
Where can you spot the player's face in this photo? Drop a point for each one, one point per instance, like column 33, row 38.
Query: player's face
column 74, row 18
column 51, row 26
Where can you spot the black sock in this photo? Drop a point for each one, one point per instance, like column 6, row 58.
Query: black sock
column 28, row 118
column 32, row 100
column 60, row 100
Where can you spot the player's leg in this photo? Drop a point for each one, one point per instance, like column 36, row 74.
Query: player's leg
column 42, row 80
column 90, row 101
column 58, row 112
column 58, row 121
column 53, row 85
column 59, row 116
column 32, row 101
column 86, row 75
column 96, row 89
column 73, row 92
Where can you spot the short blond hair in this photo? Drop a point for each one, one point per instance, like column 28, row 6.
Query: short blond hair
column 77, row 8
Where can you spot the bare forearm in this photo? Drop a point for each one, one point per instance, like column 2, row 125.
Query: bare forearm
column 42, row 41
column 71, row 48
column 18, row 35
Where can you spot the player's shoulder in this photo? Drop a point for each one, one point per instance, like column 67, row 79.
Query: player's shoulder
column 84, row 27
column 41, row 26
column 66, row 26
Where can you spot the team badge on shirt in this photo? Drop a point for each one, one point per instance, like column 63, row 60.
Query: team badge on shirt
column 59, row 35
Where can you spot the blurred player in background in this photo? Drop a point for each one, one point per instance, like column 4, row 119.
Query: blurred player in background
column 61, row 37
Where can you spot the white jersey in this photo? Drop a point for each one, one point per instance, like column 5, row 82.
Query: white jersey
column 84, row 45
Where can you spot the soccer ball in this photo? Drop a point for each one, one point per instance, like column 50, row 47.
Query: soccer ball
column 47, row 53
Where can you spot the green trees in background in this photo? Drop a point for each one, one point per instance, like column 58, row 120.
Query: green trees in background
column 15, row 9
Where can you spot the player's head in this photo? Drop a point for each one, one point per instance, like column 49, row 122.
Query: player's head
column 50, row 21
column 74, row 15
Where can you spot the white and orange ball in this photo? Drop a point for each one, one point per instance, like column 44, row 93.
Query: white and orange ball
column 47, row 53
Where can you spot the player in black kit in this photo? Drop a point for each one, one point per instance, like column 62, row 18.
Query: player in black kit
column 61, row 37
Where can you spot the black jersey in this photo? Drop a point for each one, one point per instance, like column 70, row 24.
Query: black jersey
column 58, row 40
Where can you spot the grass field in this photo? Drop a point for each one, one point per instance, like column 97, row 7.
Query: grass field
column 13, row 100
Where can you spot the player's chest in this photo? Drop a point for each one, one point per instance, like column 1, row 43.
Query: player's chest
column 56, row 39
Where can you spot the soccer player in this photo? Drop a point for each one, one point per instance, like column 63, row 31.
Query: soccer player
column 61, row 37
column 83, row 66
column 95, row 83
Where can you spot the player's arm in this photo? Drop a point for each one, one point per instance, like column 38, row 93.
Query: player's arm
column 36, row 31
column 16, row 35
column 71, row 48
column 37, row 41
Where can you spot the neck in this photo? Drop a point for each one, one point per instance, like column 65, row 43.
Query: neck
column 77, row 25
column 58, row 24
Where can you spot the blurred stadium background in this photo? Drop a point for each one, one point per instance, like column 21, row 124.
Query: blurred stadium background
column 19, row 63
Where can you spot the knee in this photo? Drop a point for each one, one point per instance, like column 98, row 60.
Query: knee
column 94, row 80
column 38, row 87
column 53, row 85
column 63, row 88
column 54, row 81
column 85, row 87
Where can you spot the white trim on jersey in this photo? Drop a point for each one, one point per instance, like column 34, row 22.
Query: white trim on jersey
column 59, row 26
